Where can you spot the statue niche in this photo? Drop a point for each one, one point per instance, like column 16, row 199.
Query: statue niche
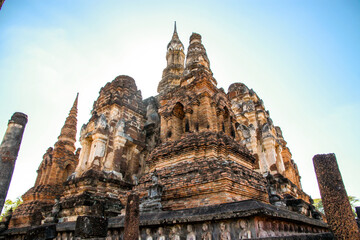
column 178, row 121
column 152, row 202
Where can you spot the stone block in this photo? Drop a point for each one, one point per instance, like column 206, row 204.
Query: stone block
column 91, row 226
column 41, row 233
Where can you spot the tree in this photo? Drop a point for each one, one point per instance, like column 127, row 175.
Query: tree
column 10, row 204
column 319, row 205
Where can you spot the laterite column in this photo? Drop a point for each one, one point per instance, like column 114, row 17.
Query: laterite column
column 334, row 198
column 9, row 150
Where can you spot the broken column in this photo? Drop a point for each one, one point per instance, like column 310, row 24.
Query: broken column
column 334, row 198
column 9, row 149
column 131, row 226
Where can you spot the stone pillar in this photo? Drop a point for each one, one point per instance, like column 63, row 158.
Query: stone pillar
column 9, row 149
column 131, row 226
column 269, row 144
column 279, row 161
column 334, row 198
column 97, row 150
column 84, row 157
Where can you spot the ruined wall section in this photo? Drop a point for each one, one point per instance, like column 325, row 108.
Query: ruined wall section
column 113, row 137
column 57, row 165
column 110, row 160
column 266, row 142
column 204, row 169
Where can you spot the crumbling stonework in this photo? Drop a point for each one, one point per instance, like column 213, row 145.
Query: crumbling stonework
column 9, row 150
column 265, row 141
column 204, row 163
column 110, row 157
column 57, row 165
column 334, row 198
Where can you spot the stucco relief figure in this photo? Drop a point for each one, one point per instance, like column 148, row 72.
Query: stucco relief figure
column 245, row 232
column 120, row 128
column 206, row 234
column 151, row 114
column 248, row 106
column 224, row 232
column 174, row 234
column 276, row 228
column 154, row 177
column 83, row 131
column 269, row 229
column 116, row 235
column 161, row 234
column 191, row 235
column 64, row 236
column 101, row 122
column 245, row 131
column 281, row 229
column 152, row 202
column 108, row 235
column 47, row 156
column 52, row 218
column 148, row 234
column 261, row 230
column 155, row 190
column 265, row 128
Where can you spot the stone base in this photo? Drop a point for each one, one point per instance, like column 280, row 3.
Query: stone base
column 90, row 226
column 95, row 193
column 204, row 169
column 151, row 205
column 89, row 204
column 30, row 214
column 42, row 232
column 233, row 220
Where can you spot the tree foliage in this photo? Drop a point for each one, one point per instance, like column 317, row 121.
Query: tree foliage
column 319, row 205
column 10, row 204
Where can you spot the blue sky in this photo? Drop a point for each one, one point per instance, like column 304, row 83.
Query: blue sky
column 301, row 57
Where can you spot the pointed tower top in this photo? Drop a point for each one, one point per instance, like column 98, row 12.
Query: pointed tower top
column 74, row 107
column 68, row 131
column 175, row 58
column 175, row 43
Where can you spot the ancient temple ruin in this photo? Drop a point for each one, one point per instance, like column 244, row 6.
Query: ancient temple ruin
column 207, row 164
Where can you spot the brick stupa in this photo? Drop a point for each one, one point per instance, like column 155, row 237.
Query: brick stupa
column 206, row 164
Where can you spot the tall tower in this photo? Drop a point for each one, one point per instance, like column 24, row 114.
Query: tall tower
column 197, row 132
column 57, row 165
column 109, row 161
column 175, row 58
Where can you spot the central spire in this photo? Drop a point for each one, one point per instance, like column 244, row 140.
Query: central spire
column 175, row 43
column 175, row 58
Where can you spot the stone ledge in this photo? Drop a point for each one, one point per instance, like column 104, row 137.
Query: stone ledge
column 217, row 212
